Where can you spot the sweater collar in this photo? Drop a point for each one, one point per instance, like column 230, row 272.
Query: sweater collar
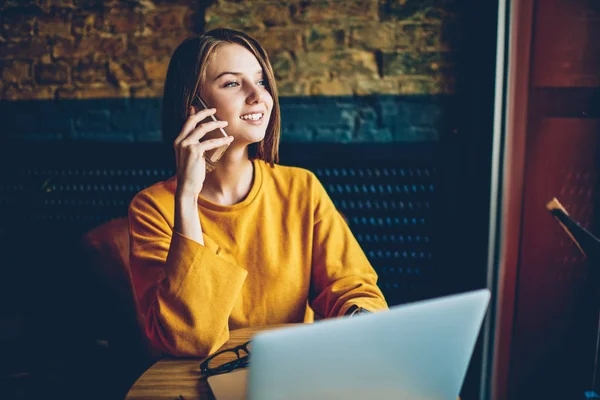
column 254, row 190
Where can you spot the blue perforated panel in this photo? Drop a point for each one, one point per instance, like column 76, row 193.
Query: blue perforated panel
column 390, row 210
column 389, row 201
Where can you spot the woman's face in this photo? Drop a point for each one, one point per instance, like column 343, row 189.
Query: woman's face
column 236, row 86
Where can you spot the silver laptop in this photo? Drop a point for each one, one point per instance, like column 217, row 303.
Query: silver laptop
column 412, row 352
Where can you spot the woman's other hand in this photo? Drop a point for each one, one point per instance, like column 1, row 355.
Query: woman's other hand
column 189, row 151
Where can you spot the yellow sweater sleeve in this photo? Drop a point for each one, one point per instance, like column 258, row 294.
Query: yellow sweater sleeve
column 185, row 290
column 341, row 274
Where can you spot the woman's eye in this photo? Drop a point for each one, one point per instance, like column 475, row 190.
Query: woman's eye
column 231, row 84
column 263, row 82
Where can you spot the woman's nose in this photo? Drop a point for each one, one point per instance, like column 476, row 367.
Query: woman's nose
column 255, row 94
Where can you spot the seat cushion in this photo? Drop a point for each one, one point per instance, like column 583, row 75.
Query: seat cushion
column 106, row 250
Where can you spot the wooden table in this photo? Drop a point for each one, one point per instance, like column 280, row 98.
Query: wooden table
column 172, row 377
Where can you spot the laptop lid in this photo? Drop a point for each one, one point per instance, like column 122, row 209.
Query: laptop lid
column 411, row 352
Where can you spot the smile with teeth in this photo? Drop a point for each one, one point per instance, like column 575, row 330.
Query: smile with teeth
column 253, row 117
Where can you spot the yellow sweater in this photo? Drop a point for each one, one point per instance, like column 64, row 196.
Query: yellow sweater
column 263, row 259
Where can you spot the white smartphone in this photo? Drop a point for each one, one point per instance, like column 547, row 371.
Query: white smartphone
column 212, row 156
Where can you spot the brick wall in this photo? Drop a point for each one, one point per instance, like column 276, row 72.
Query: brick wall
column 395, row 50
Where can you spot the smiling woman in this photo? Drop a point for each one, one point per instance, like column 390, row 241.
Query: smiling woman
column 249, row 243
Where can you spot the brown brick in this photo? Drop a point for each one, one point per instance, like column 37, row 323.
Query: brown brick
column 326, row 11
column 419, row 85
column 86, row 24
column 139, row 84
column 109, row 47
column 272, row 14
column 57, row 72
column 313, row 65
column 415, row 63
column 116, row 77
column 155, row 90
column 17, row 23
column 231, row 15
column 27, row 92
column 90, row 72
column 91, row 4
column 378, row 36
column 403, row 39
column 92, row 92
column 32, row 48
column 283, row 65
column 319, row 38
column 345, row 64
column 64, row 47
column 331, row 88
column 293, row 88
column 366, row 86
column 425, row 37
column 126, row 70
column 167, row 19
column 357, row 63
column 57, row 24
column 278, row 39
column 16, row 71
column 47, row 5
column 106, row 47
column 416, row 10
column 155, row 46
column 123, row 20
column 156, row 69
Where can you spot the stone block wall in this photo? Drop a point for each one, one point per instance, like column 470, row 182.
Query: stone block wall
column 383, row 66
column 351, row 47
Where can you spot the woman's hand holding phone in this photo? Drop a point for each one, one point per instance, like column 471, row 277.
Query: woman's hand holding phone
column 189, row 151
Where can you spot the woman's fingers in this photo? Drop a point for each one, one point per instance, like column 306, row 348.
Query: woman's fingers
column 192, row 121
column 202, row 130
column 214, row 143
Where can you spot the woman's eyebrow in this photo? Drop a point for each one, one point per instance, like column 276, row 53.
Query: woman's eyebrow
column 260, row 71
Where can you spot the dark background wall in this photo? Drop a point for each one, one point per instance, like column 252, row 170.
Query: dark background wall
column 399, row 57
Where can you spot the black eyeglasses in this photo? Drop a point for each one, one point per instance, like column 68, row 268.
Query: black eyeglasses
column 227, row 360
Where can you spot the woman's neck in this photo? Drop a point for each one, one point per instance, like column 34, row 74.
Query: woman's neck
column 230, row 182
